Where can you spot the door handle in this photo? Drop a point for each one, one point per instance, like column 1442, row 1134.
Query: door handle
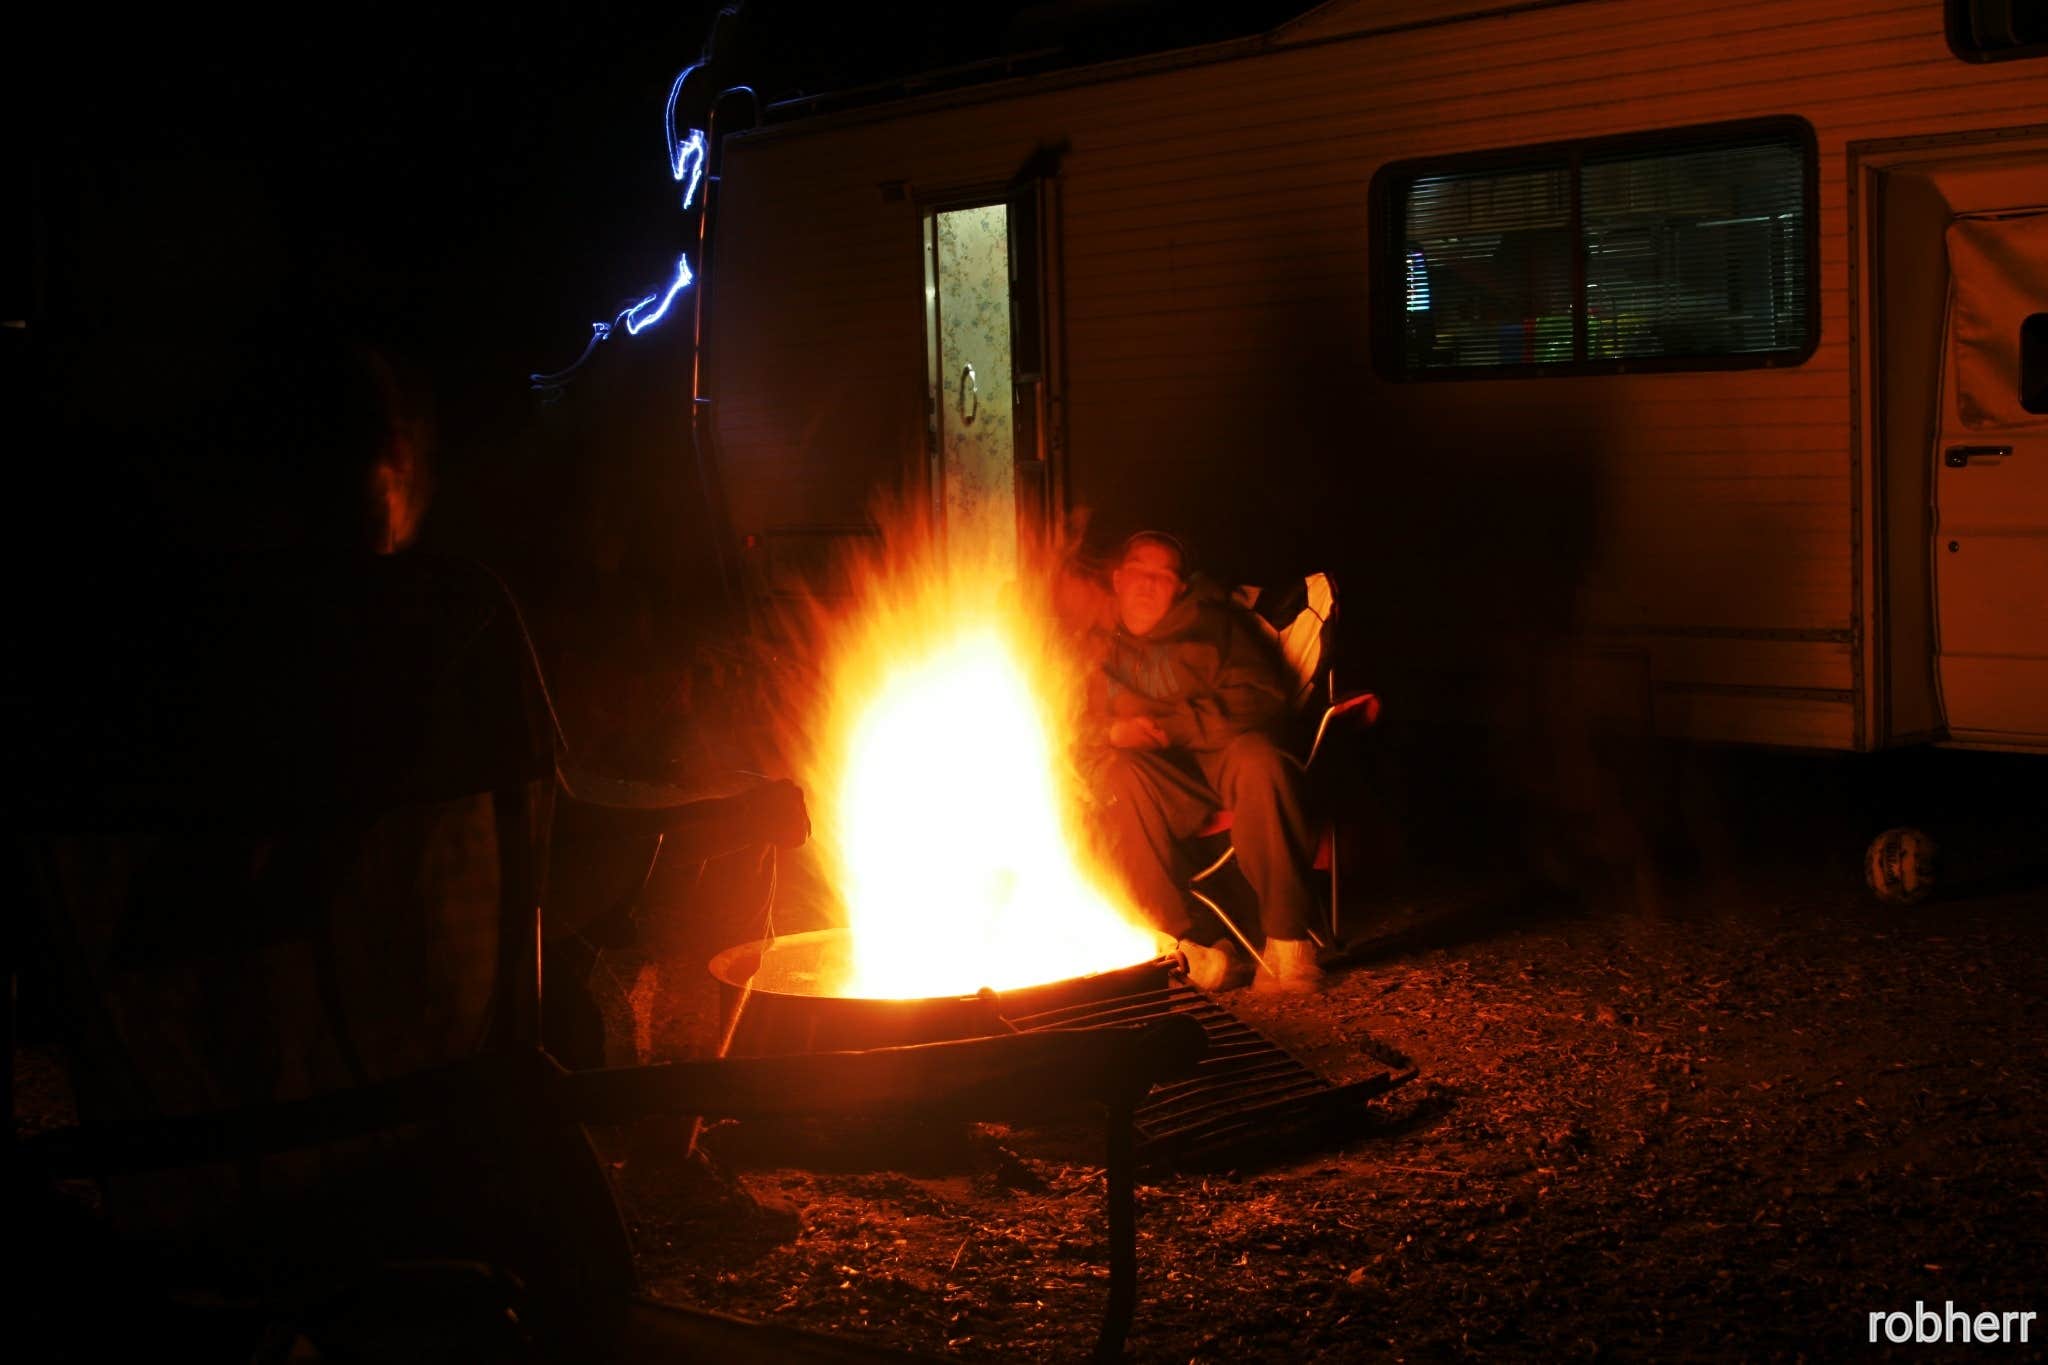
column 1959, row 457
column 970, row 387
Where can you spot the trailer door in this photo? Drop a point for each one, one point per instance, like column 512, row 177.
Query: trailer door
column 1990, row 550
column 1036, row 424
column 967, row 273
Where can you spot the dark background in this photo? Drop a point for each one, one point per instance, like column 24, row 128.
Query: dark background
column 467, row 193
column 470, row 193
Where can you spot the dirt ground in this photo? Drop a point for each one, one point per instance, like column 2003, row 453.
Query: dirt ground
column 1729, row 1127
column 1722, row 1114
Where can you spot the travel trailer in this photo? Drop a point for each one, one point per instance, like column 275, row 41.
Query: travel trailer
column 1699, row 344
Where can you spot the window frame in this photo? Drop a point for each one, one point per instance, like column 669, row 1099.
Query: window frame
column 2034, row 347
column 1388, row 247
column 1959, row 26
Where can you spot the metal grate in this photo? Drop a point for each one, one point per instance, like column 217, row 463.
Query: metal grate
column 1248, row 1094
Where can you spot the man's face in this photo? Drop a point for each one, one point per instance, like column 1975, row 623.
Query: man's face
column 1147, row 584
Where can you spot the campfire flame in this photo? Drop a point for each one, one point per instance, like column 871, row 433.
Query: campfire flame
column 947, row 805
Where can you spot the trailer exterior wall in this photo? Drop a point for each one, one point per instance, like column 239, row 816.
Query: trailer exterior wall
column 1706, row 531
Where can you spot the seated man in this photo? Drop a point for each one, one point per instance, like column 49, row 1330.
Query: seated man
column 1187, row 699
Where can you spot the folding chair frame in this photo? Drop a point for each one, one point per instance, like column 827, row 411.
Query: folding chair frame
column 1360, row 708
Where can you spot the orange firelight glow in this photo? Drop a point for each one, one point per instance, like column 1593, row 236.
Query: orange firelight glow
column 947, row 806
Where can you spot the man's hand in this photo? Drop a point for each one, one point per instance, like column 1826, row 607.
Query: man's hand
column 774, row 813
column 1137, row 732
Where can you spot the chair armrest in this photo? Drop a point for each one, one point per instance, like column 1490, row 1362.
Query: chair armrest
column 1363, row 707
column 1360, row 708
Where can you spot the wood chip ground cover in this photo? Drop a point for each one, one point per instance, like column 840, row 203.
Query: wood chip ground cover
column 1728, row 1130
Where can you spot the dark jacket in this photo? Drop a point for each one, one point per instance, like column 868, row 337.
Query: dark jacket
column 1205, row 673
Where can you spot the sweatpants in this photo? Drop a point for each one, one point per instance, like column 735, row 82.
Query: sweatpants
column 1153, row 802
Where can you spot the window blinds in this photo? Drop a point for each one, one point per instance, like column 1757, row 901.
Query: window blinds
column 1612, row 256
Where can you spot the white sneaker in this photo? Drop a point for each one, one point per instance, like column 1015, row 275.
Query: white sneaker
column 1207, row 968
column 1292, row 967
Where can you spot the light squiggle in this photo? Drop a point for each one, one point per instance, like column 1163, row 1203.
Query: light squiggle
column 636, row 318
column 688, row 154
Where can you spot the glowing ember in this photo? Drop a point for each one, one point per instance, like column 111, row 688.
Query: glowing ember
column 946, row 799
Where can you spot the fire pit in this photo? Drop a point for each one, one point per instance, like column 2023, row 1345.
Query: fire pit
column 958, row 833
column 786, row 995
column 1247, row 1093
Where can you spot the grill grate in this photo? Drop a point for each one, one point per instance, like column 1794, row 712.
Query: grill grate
column 1248, row 1093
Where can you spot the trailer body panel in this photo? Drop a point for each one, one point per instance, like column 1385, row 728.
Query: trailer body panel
column 1724, row 530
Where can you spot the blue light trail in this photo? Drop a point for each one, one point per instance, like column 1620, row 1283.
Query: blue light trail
column 636, row 320
column 688, row 154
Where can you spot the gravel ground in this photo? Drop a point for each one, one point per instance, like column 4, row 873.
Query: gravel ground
column 1730, row 1128
column 1721, row 1115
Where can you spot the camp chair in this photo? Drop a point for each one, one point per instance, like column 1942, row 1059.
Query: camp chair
column 1301, row 620
column 295, row 947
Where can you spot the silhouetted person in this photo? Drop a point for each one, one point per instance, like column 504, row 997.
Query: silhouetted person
column 298, row 784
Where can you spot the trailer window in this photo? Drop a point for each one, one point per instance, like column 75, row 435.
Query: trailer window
column 2034, row 363
column 1683, row 250
column 1489, row 277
